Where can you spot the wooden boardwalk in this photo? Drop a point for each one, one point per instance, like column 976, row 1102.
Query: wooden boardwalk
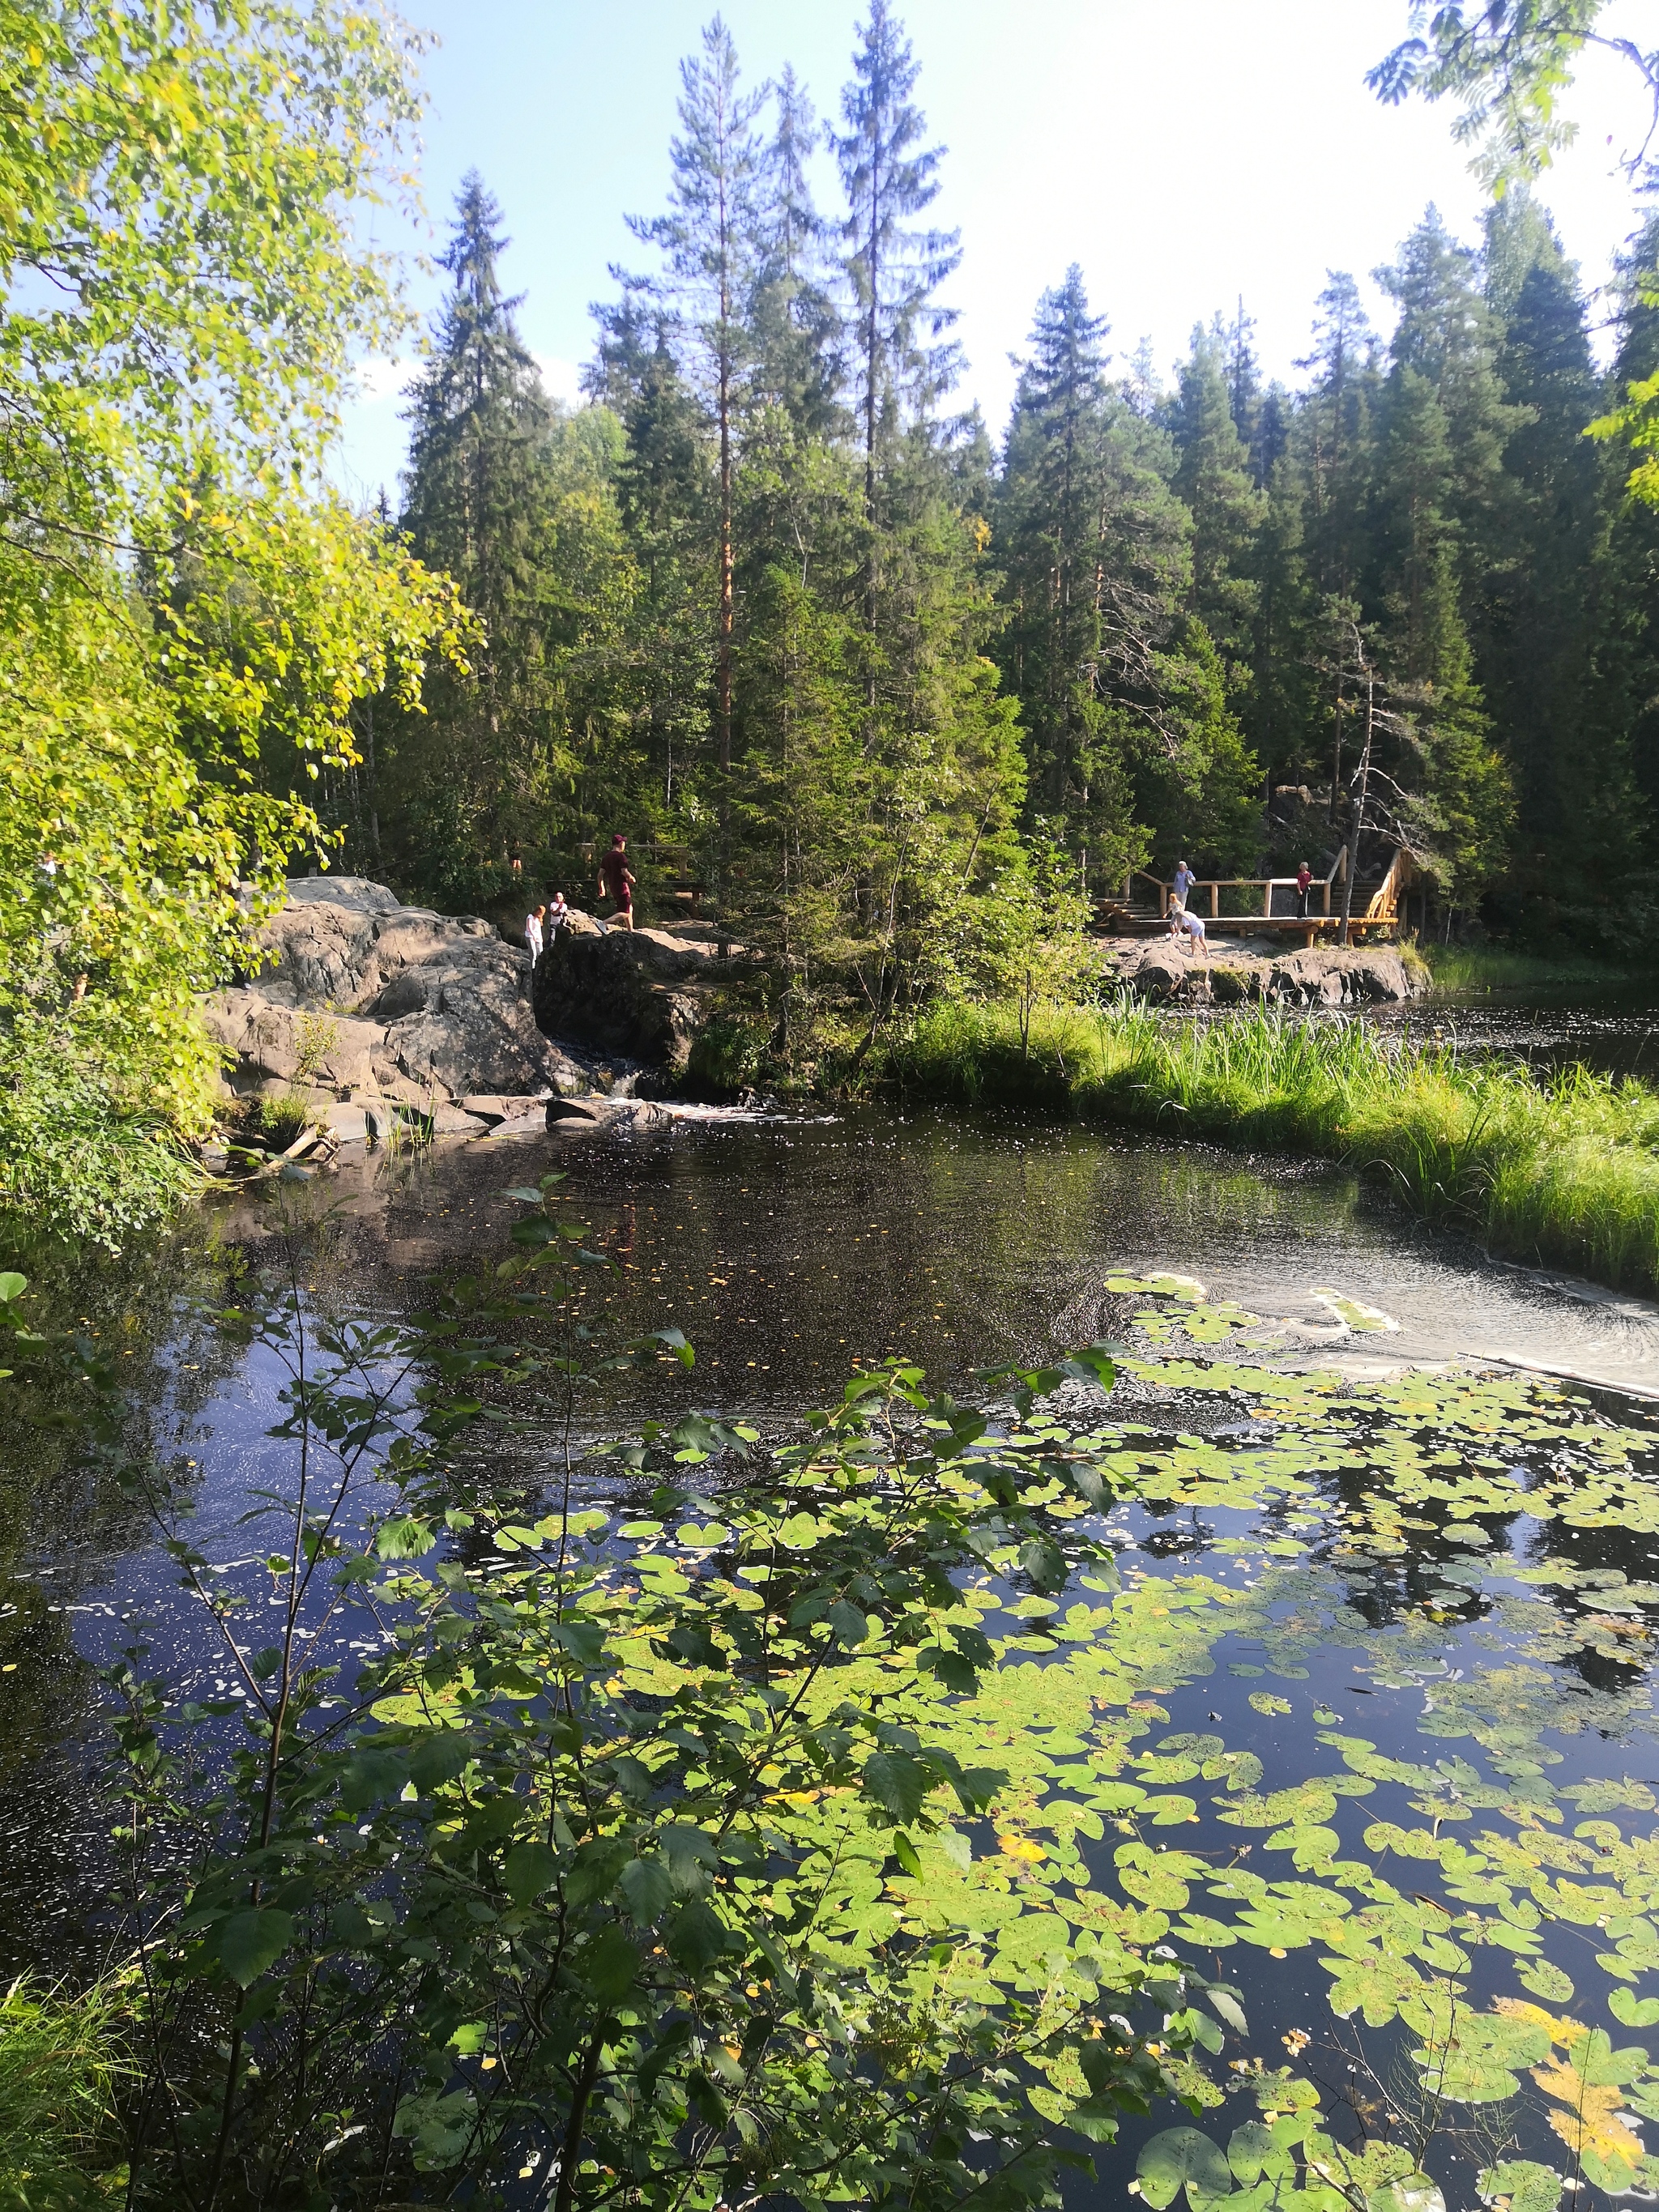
column 1257, row 906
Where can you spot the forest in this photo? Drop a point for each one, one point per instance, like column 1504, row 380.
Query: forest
column 896, row 694
column 877, row 677
column 684, row 1681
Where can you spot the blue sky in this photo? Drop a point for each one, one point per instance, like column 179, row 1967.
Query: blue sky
column 1184, row 152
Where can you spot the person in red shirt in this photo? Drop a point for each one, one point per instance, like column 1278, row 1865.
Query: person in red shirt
column 616, row 881
column 1303, row 885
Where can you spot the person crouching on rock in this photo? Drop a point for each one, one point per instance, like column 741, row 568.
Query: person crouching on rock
column 616, row 881
column 532, row 933
column 1192, row 923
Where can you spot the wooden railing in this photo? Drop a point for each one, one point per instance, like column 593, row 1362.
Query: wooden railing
column 1249, row 902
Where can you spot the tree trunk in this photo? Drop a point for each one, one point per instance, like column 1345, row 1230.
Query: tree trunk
column 1359, row 829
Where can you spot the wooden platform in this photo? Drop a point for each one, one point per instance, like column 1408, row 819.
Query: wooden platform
column 1116, row 923
column 1375, row 905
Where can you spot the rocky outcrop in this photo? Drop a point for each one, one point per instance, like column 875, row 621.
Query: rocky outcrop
column 1321, row 976
column 642, row 993
column 355, row 993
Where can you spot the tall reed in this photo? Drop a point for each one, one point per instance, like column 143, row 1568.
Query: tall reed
column 1563, row 1169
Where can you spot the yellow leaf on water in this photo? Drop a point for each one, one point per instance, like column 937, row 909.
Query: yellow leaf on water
column 1021, row 1847
column 1565, row 2032
column 1586, row 2115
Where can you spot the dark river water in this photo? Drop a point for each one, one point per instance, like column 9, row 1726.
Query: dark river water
column 791, row 1251
column 1609, row 1031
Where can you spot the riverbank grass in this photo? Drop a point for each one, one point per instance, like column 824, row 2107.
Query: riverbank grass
column 1563, row 1170
column 1487, row 968
column 60, row 2065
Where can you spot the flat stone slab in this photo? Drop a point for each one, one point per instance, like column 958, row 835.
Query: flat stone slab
column 490, row 1106
column 1233, row 972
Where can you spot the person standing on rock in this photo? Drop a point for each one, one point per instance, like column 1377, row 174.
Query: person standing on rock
column 1184, row 880
column 616, row 881
column 532, row 933
column 557, row 913
column 1303, row 885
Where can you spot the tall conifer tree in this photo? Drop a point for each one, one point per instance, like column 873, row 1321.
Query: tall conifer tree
column 893, row 269
column 710, row 240
column 1212, row 475
column 1534, row 648
column 470, row 778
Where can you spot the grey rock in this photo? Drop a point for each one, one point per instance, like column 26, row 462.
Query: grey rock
column 641, row 992
column 1322, row 975
column 1164, row 973
column 491, row 1106
column 272, row 1039
column 523, row 1125
column 347, row 1123
column 417, row 1005
column 451, row 1121
column 343, row 890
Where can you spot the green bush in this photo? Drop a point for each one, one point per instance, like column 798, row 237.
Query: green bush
column 726, row 1056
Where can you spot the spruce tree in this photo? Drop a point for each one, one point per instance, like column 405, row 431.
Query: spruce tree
column 1243, row 376
column 797, row 328
column 1446, row 334
column 1615, row 791
column 471, row 779
column 1457, row 790
column 1213, row 477
column 1534, row 646
column 710, row 241
column 892, row 269
column 1131, row 744
column 1335, row 437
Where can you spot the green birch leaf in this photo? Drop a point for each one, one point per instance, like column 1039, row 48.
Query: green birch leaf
column 696, row 1936
column 608, row 1965
column 251, row 1941
column 529, row 1868
column 897, row 1783
column 647, row 1889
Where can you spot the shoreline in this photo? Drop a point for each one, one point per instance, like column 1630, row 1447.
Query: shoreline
column 1560, row 1171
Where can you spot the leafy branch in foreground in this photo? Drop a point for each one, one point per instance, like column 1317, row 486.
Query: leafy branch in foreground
column 587, row 1876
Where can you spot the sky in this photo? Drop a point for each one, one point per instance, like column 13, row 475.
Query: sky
column 1186, row 153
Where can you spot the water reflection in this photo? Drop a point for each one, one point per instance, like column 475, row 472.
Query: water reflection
column 790, row 1253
